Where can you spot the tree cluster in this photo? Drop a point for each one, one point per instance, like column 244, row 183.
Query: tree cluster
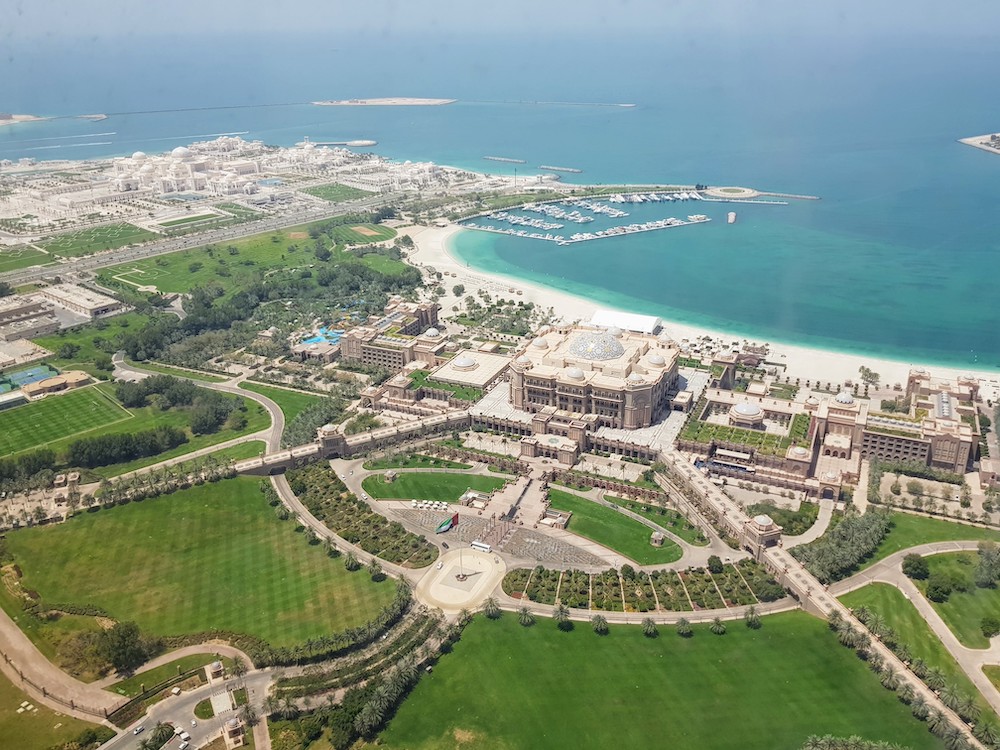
column 125, row 648
column 101, row 450
column 209, row 410
column 836, row 553
column 303, row 428
column 21, row 469
column 988, row 569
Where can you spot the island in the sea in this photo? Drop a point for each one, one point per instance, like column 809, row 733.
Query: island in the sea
column 8, row 119
column 387, row 101
column 989, row 142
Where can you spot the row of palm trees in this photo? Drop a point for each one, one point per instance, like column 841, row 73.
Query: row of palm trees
column 599, row 623
column 963, row 704
column 161, row 480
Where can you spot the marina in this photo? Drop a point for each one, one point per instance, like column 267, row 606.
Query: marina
column 576, row 237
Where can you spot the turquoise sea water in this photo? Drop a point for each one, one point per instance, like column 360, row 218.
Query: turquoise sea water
column 896, row 260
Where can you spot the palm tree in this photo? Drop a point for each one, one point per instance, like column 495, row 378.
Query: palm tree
column 919, row 667
column 967, row 707
column 249, row 714
column 919, row 707
column 718, row 627
column 600, row 624
column 491, row 608
column 953, row 739
column 890, row 680
column 271, row 705
column 375, row 570
column 936, row 720
column 935, row 679
column 905, row 692
column 525, row 617
column 751, row 618
column 561, row 616
column 287, row 709
column 986, row 732
column 684, row 628
column 351, row 562
column 649, row 627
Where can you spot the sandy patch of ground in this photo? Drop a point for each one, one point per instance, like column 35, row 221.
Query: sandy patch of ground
column 366, row 231
column 298, row 235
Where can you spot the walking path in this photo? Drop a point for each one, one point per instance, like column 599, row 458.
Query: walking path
column 815, row 531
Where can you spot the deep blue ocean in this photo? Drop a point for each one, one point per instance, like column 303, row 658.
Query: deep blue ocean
column 898, row 259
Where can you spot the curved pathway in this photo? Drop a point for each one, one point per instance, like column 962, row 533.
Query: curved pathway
column 889, row 571
column 815, row 531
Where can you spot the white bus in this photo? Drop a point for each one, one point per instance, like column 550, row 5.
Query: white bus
column 481, row 546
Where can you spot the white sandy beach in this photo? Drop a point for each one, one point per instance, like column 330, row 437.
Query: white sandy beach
column 15, row 119
column 432, row 249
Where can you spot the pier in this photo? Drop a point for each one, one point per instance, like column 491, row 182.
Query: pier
column 571, row 170
column 504, row 159
column 620, row 231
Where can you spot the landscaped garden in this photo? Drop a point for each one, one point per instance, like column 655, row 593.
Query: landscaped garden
column 336, row 193
column 911, row 630
column 612, row 529
column 329, row 500
column 672, row 520
column 908, row 530
column 413, row 461
column 700, row 431
column 665, row 590
column 209, row 558
column 793, row 522
column 965, row 608
column 422, row 379
column 539, row 686
column 96, row 239
column 291, row 403
column 439, row 486
column 39, row 727
column 91, row 344
column 12, row 259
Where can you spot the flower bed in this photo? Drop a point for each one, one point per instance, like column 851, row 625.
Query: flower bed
column 606, row 591
column 543, row 585
column 670, row 591
column 701, row 588
column 574, row 591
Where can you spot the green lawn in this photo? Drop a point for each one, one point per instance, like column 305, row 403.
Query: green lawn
column 249, row 449
column 336, row 193
column 429, row 486
column 793, row 522
column 349, row 234
column 96, row 239
column 136, row 684
column 57, row 421
column 414, row 461
column 87, row 338
column 964, row 610
column 382, row 264
column 913, row 630
column 613, row 529
column 213, row 556
column 179, row 372
column 291, row 403
column 22, row 257
column 56, row 417
column 909, row 530
column 670, row 519
column 189, row 220
column 38, row 729
column 517, row 688
column 287, row 251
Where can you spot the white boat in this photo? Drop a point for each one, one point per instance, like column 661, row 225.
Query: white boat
column 731, row 217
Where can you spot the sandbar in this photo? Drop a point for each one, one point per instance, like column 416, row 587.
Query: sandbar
column 431, row 248
column 15, row 119
column 387, row 101
column 982, row 142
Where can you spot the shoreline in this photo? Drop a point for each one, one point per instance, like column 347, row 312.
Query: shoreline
column 981, row 142
column 15, row 119
column 432, row 247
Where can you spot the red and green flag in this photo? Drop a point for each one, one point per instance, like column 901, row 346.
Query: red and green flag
column 447, row 524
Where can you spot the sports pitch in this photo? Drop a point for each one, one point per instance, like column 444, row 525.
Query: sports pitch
column 22, row 257
column 96, row 239
column 57, row 417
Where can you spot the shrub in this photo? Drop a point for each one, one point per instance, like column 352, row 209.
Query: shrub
column 939, row 587
column 915, row 566
column 990, row 626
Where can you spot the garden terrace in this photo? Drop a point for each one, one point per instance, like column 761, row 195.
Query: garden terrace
column 964, row 609
column 328, row 499
column 778, row 682
column 672, row 520
column 422, row 379
column 908, row 530
column 744, row 583
column 792, row 522
column 96, row 239
column 706, row 433
column 413, row 461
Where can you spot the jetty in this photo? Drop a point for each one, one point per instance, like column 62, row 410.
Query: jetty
column 504, row 159
column 619, row 231
column 550, row 168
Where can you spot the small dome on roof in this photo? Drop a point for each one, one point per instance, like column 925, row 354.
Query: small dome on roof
column 656, row 359
column 634, row 377
column 540, row 343
column 812, row 400
column 596, row 347
column 615, row 331
column 522, row 360
column 831, row 475
column 216, row 666
column 574, row 373
column 181, row 152
column 464, row 362
column 146, row 169
column 763, row 520
column 138, row 156
column 432, row 333
column 232, row 723
column 800, row 451
column 328, row 428
column 746, row 409
column 845, row 397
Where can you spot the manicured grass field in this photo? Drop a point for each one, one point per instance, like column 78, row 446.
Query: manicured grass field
column 336, row 193
column 36, row 729
column 909, row 530
column 249, row 449
column 414, row 461
column 524, row 688
column 87, row 338
column 96, row 239
column 613, row 529
column 56, row 417
column 133, row 686
column 289, row 250
column 213, row 556
column 670, row 519
column 913, row 630
column 188, row 220
column 22, row 257
column 362, row 234
column 430, row 486
column 291, row 403
column 179, row 372
column 964, row 610
column 383, row 264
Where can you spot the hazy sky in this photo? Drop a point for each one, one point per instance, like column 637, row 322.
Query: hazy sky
column 394, row 18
